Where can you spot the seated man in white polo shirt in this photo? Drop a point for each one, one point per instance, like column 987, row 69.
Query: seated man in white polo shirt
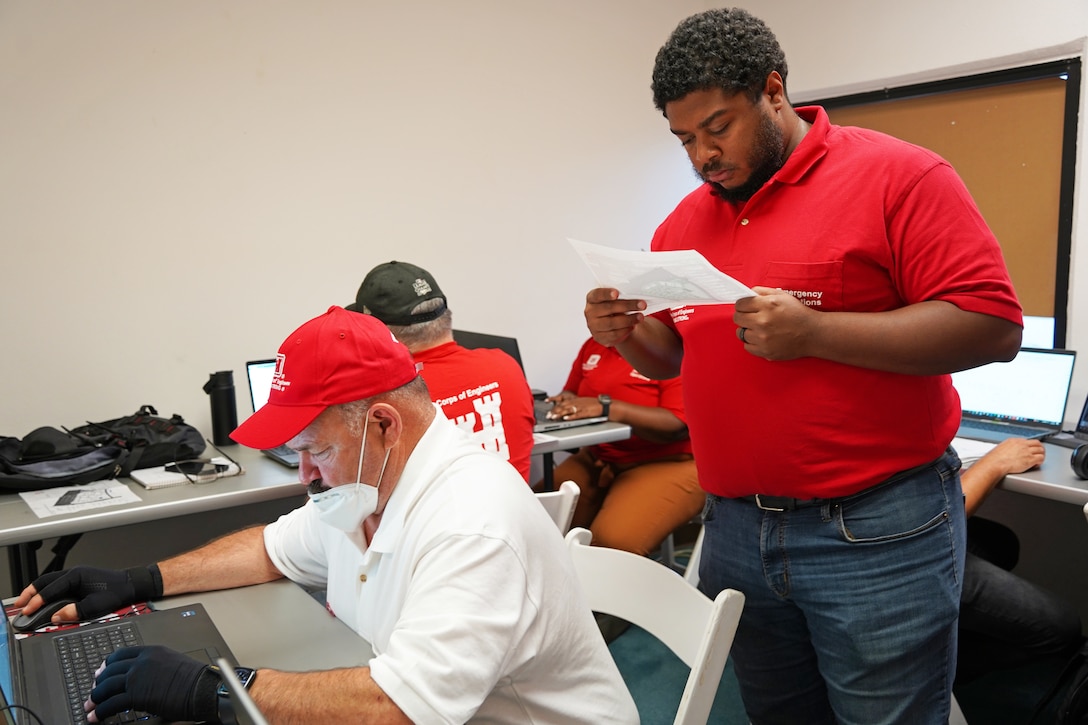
column 427, row 546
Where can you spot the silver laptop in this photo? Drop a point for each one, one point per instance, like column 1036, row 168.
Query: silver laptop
column 33, row 670
column 544, row 424
column 1072, row 438
column 260, row 374
column 1023, row 398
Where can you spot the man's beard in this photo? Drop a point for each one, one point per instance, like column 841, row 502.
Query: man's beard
column 766, row 158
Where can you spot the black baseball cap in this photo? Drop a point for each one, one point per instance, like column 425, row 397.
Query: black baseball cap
column 390, row 291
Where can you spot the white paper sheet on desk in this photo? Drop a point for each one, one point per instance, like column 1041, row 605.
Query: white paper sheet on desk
column 970, row 450
column 663, row 279
column 96, row 495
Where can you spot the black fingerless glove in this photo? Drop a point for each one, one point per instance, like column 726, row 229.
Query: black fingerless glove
column 157, row 680
column 101, row 591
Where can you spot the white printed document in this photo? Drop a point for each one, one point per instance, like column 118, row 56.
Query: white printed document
column 662, row 279
column 75, row 499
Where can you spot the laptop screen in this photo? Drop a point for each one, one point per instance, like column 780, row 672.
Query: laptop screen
column 7, row 676
column 1032, row 388
column 1082, row 424
column 471, row 340
column 260, row 374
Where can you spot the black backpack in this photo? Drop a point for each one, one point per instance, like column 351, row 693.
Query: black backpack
column 48, row 457
column 150, row 440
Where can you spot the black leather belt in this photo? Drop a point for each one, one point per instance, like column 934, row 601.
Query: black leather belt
column 783, row 503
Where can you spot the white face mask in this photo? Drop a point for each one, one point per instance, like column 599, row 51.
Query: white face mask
column 346, row 507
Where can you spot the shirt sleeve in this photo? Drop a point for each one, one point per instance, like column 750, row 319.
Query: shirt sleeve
column 672, row 397
column 945, row 250
column 295, row 546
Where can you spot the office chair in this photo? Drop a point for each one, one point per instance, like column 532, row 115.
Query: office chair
column 560, row 504
column 657, row 599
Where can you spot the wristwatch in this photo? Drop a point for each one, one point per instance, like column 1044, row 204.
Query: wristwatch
column 606, row 403
column 224, row 705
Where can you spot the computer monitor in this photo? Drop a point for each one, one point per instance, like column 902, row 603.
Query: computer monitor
column 509, row 345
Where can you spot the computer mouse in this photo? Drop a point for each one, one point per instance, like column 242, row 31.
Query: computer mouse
column 40, row 618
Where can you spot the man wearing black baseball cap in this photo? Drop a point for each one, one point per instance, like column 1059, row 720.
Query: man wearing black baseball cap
column 428, row 547
column 483, row 390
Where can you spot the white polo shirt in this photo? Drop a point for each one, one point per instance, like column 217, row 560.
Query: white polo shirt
column 466, row 593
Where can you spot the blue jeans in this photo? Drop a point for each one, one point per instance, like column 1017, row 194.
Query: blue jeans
column 851, row 606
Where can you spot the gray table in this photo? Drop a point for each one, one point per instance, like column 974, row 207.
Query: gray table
column 22, row 531
column 279, row 625
column 1053, row 480
column 571, row 439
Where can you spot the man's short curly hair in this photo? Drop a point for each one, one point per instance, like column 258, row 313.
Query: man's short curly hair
column 727, row 48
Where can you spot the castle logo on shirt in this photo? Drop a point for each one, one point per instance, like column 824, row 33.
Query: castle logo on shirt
column 591, row 362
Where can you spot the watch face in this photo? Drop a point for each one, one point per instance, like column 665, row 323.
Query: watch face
column 245, row 675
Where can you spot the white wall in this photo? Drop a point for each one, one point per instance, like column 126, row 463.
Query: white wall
column 184, row 182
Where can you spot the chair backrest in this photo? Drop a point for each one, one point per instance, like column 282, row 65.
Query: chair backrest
column 560, row 504
column 657, row 599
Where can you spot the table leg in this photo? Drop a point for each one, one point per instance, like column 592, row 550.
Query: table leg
column 23, row 562
column 548, row 461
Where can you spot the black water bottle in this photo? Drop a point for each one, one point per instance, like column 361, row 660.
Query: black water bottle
column 220, row 387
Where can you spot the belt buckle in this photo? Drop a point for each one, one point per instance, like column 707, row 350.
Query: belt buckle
column 759, row 504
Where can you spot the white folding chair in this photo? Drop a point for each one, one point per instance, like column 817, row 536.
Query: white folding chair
column 657, row 599
column 560, row 504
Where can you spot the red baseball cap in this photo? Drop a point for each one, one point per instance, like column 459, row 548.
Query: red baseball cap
column 339, row 357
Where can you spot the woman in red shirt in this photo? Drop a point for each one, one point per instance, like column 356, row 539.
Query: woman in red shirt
column 634, row 492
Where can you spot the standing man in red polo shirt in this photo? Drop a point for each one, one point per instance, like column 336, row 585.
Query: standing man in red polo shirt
column 482, row 390
column 821, row 409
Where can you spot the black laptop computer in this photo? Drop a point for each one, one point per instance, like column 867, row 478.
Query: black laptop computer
column 1072, row 438
column 33, row 669
column 1023, row 398
column 260, row 374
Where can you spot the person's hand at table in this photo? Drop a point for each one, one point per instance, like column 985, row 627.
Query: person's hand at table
column 97, row 591
column 569, row 406
column 156, row 680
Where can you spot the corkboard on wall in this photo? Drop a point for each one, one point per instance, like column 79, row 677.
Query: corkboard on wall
column 1005, row 142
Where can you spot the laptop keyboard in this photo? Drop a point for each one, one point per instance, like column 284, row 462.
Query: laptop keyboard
column 286, row 454
column 1013, row 430
column 81, row 653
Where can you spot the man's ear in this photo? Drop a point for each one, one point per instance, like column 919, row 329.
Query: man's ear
column 775, row 90
column 389, row 421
